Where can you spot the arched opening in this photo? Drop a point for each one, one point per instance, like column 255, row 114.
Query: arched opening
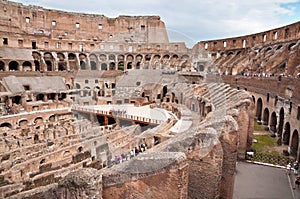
column 121, row 65
column 259, row 109
column 138, row 65
column 36, row 138
column 49, row 65
column 6, row 124
column 111, row 57
column 72, row 61
column 165, row 90
column 129, row 65
column 103, row 57
column 38, row 121
column 286, row 134
column 27, row 66
column 93, row 65
column 266, row 117
column 23, row 123
column 148, row 57
column 281, row 121
column 129, row 58
column 112, row 66
column 52, row 118
column 77, row 86
column 13, row 66
column 273, row 122
column 291, row 46
column 49, row 61
column 62, row 65
column 82, row 65
column 40, row 97
column 104, row 66
column 294, row 144
column 37, row 65
column 80, row 149
column 2, row 66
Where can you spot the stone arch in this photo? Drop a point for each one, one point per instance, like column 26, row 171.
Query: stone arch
column 103, row 57
column 121, row 65
column 49, row 61
column 273, row 122
column 37, row 65
column 175, row 57
column 13, row 66
column 165, row 91
column 121, row 58
column 129, row 65
column 294, row 144
column 139, row 58
column 77, row 85
column 268, row 49
column 72, row 61
column 23, row 123
column 62, row 65
column 52, row 118
column 6, row 124
column 111, row 57
column 93, row 62
column 2, row 66
column 112, row 66
column 80, row 149
column 259, row 106
column 290, row 46
column 156, row 57
column 27, row 66
column 281, row 121
column 82, row 61
column 60, row 56
column 266, row 116
column 286, row 134
column 86, row 91
column 230, row 53
column 38, row 121
column 40, row 97
column 185, row 57
column 147, row 57
column 129, row 58
column 103, row 66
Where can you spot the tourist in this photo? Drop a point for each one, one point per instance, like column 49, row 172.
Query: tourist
column 297, row 182
column 288, row 168
column 296, row 167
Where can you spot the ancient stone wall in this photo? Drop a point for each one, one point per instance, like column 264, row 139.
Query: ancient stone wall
column 277, row 35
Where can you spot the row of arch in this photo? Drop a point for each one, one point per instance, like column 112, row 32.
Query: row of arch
column 277, row 124
column 23, row 122
column 48, row 61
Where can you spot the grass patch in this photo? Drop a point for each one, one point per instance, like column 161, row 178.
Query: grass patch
column 264, row 143
column 258, row 127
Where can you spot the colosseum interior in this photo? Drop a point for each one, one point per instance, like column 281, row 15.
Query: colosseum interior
column 98, row 107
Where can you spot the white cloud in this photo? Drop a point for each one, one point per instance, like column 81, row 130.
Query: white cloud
column 198, row 19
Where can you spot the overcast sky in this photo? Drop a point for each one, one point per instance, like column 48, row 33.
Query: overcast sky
column 193, row 20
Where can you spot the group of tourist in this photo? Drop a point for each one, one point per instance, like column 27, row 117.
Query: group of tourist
column 132, row 153
column 7, row 109
column 295, row 168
